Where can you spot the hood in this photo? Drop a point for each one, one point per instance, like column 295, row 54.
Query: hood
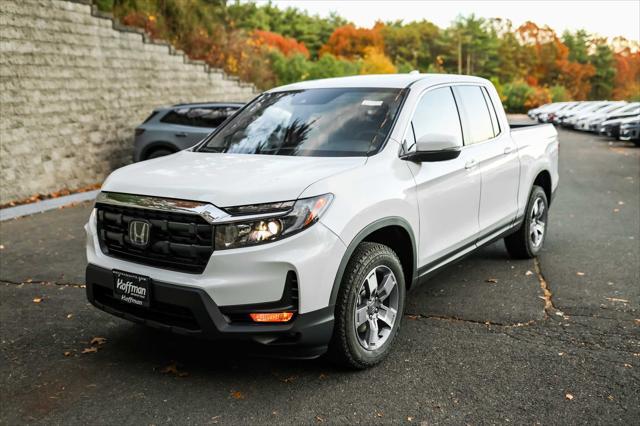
column 226, row 179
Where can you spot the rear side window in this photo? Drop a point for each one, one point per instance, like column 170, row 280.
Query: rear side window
column 177, row 116
column 210, row 117
column 199, row 117
column 436, row 113
column 492, row 112
column 474, row 112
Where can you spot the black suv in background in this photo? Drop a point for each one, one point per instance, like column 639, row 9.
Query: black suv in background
column 171, row 129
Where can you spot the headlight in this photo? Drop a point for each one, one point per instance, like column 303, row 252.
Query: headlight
column 272, row 225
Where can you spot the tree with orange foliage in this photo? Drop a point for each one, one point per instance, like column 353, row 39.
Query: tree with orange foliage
column 286, row 45
column 627, row 80
column 349, row 42
column 551, row 62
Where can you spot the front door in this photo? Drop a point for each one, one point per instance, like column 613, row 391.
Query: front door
column 448, row 191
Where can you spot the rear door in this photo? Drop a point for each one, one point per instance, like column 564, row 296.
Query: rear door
column 493, row 153
column 180, row 128
column 448, row 192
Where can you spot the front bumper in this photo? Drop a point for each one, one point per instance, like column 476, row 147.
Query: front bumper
column 191, row 312
column 250, row 275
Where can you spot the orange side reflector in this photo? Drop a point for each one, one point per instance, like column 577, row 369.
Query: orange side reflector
column 271, row 316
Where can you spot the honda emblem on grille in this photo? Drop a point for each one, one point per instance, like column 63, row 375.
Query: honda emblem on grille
column 139, row 233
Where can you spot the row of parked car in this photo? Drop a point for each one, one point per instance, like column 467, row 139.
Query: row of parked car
column 617, row 119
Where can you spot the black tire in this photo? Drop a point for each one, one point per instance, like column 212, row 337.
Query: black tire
column 345, row 348
column 158, row 153
column 520, row 244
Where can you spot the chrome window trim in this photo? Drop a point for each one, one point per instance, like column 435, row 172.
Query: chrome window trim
column 207, row 211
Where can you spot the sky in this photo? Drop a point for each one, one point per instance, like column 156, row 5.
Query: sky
column 605, row 18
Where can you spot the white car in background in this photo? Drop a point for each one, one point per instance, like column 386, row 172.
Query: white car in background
column 583, row 121
column 548, row 114
column 572, row 118
column 628, row 110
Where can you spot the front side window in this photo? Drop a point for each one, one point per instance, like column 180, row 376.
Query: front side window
column 476, row 120
column 436, row 114
column 341, row 122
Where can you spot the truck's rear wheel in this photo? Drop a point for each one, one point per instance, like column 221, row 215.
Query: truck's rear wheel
column 369, row 307
column 527, row 241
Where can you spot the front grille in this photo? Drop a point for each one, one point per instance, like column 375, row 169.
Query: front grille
column 178, row 241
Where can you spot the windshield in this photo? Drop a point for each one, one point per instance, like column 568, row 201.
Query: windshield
column 343, row 122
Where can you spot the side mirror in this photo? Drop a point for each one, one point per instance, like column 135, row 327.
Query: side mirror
column 434, row 147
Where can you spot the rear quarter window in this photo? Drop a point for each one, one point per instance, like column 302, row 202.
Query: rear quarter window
column 474, row 113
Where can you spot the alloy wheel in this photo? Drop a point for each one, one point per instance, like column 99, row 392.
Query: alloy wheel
column 376, row 308
column 537, row 222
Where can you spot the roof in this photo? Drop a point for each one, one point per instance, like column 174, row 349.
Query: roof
column 380, row 81
column 208, row 104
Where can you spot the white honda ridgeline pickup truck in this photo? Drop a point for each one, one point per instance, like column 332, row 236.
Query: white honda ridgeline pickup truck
column 302, row 222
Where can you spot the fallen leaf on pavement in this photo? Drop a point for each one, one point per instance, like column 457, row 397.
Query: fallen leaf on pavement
column 97, row 340
column 637, row 320
column 67, row 353
column 613, row 299
column 322, row 376
column 580, row 274
column 491, row 280
column 289, row 379
column 379, row 414
column 90, row 350
column 237, row 395
column 569, row 396
column 69, row 316
column 38, row 299
column 627, row 365
column 621, row 203
column 616, row 210
column 561, row 353
column 319, row 419
column 413, row 317
column 528, row 273
column 1, row 246
column 172, row 368
column 409, row 419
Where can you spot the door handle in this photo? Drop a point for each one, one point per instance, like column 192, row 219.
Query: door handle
column 181, row 135
column 470, row 164
column 508, row 150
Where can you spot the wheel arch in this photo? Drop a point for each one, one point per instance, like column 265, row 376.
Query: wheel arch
column 543, row 180
column 394, row 232
column 154, row 146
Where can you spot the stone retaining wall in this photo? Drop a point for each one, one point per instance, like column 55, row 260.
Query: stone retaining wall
column 74, row 84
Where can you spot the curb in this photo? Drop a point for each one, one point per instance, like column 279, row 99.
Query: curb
column 43, row 206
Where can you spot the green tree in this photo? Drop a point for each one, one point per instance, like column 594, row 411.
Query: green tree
column 578, row 45
column 602, row 82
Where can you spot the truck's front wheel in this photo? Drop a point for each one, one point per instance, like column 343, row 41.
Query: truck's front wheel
column 369, row 307
column 527, row 241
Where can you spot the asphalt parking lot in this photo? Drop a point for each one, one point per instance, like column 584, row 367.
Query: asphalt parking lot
column 488, row 340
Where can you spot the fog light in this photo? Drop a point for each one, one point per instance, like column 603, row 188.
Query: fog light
column 271, row 316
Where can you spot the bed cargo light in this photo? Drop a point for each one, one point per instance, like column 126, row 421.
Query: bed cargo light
column 271, row 316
